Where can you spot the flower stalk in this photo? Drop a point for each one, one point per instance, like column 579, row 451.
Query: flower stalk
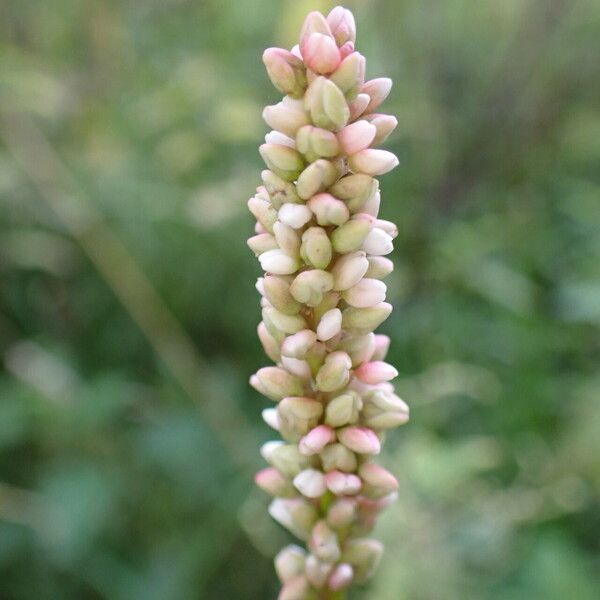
column 323, row 250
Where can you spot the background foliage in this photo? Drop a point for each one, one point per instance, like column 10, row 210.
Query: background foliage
column 128, row 433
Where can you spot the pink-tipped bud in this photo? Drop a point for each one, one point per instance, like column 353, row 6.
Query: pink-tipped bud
column 289, row 562
column 377, row 90
column 314, row 22
column 360, row 440
column 341, row 577
column 320, row 53
column 335, row 373
column 342, row 513
column 379, row 267
column 295, row 589
column 358, row 106
column 286, row 71
column 287, row 116
column 310, row 483
column 330, row 324
column 367, row 292
column 317, row 571
column 273, row 482
column 328, row 210
column 379, row 482
column 263, row 242
column 384, row 124
column 372, row 162
column 269, row 343
column 343, row 410
column 336, row 457
column 382, row 345
column 342, row 25
column 376, row 372
column 297, row 345
column 343, row 484
column 350, row 75
column 316, row 439
column 317, row 177
column 278, row 383
column 356, row 137
column 349, row 270
column 323, row 543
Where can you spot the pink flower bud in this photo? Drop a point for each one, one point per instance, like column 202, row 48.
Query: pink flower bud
column 349, row 270
column 297, row 345
column 295, row 589
column 343, row 484
column 286, row 71
column 335, row 373
column 314, row 22
column 384, row 124
column 360, row 440
column 295, row 215
column 372, row 161
column 356, row 137
column 323, row 543
column 278, row 383
column 278, row 262
column 377, row 90
column 342, row 513
column 328, row 210
column 366, row 293
column 382, row 345
column 358, row 106
column 379, row 267
column 379, row 482
column 341, row 577
column 342, row 25
column 272, row 481
column 289, row 562
column 329, row 325
column 316, row 439
column 287, row 116
column 310, row 483
column 376, row 372
column 263, row 242
column 320, row 53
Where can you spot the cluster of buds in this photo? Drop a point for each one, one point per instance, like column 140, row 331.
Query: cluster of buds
column 323, row 248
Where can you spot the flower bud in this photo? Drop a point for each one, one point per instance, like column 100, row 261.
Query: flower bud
column 314, row 22
column 326, row 104
column 379, row 267
column 360, row 348
column 286, row 116
column 270, row 417
column 348, row 270
column 382, row 345
column 286, row 71
column 330, row 300
column 355, row 190
column 350, row 75
column 343, row 410
column 287, row 239
column 371, row 161
column 316, row 143
column 317, row 571
column 384, row 124
column 286, row 458
column 356, row 137
column 358, row 106
column 320, row 53
column 282, row 160
column 278, row 383
column 336, row 457
column 376, row 372
column 278, row 262
column 309, row 286
column 318, row 176
column 316, row 439
column 342, row 513
column 343, row 484
column 263, row 242
column 384, row 410
column 387, row 226
column 377, row 90
column 310, row 483
column 378, row 242
column 295, row 215
column 323, row 543
column 316, row 248
column 364, row 555
column 297, row 345
column 328, row 210
column 276, row 137
column 330, row 324
column 341, row 577
column 269, row 343
column 342, row 25
column 365, row 320
column 277, row 291
column 274, row 483
column 289, row 562
column 298, row 415
column 360, row 440
column 378, row 482
column 366, row 293
column 350, row 236
column 371, row 206
column 295, row 514
column 280, row 191
column 297, row 367
column 295, row 589
column 335, row 373
column 264, row 212
column 284, row 323
column 315, row 357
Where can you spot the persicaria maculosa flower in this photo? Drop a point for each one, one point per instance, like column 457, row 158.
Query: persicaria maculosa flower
column 323, row 250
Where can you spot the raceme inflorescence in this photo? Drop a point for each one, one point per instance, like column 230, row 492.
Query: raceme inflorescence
column 323, row 247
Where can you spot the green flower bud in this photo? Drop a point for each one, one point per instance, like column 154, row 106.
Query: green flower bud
column 282, row 160
column 335, row 372
column 350, row 236
column 318, row 176
column 316, row 143
column 278, row 383
column 309, row 286
column 277, row 292
column 286, row 71
column 280, row 191
column 316, row 248
column 343, row 410
column 326, row 104
column 365, row 320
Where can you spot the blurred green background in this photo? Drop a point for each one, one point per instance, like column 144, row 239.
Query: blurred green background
column 128, row 433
